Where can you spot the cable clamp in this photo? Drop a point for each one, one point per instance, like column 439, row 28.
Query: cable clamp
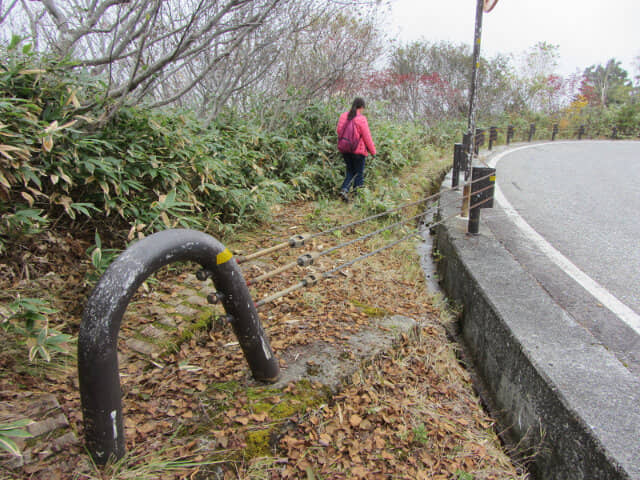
column 204, row 274
column 307, row 259
column 299, row 240
column 215, row 298
column 310, row 280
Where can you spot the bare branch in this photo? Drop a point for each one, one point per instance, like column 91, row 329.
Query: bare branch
column 204, row 52
column 4, row 13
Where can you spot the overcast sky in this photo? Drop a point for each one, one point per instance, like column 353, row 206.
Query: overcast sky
column 588, row 31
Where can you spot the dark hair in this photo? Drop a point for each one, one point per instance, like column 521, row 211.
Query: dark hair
column 357, row 103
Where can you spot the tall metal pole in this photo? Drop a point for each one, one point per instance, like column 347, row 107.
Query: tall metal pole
column 471, row 126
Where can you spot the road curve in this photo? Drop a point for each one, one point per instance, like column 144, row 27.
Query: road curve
column 556, row 366
column 576, row 203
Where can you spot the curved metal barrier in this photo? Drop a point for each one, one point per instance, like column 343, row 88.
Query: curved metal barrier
column 100, row 391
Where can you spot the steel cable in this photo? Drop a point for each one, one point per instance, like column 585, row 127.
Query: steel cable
column 304, row 237
column 315, row 255
column 266, row 251
column 313, row 279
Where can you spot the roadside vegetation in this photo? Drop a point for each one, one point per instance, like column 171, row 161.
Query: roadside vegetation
column 97, row 153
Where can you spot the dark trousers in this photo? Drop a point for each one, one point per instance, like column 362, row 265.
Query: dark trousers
column 354, row 171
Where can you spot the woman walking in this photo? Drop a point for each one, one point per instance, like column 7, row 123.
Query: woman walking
column 354, row 124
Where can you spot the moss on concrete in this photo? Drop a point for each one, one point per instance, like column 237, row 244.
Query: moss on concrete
column 278, row 403
column 371, row 311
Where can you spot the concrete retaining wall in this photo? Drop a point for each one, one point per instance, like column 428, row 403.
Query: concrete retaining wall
column 558, row 391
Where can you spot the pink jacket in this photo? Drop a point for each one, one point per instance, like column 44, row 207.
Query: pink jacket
column 366, row 145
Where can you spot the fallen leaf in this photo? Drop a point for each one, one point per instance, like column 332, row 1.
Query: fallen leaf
column 355, row 420
column 259, row 417
column 325, row 440
column 242, row 420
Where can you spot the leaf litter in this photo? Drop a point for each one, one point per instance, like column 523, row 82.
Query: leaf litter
column 192, row 410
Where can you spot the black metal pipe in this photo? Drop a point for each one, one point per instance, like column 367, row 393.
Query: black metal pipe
column 482, row 190
column 458, row 155
column 493, row 136
column 473, row 226
column 100, row 392
column 478, row 140
column 467, row 150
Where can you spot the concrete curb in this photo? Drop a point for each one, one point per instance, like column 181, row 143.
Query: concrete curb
column 559, row 393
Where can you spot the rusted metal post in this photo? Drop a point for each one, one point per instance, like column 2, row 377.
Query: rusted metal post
column 100, row 392
column 554, row 132
column 532, row 131
column 509, row 134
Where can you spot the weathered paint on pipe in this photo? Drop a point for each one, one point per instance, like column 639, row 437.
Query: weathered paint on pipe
column 100, row 391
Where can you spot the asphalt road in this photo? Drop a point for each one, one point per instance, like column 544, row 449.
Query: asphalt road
column 583, row 198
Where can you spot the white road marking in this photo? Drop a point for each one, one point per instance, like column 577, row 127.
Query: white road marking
column 622, row 311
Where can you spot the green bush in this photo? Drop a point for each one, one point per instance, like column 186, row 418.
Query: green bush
column 28, row 319
column 64, row 160
column 11, row 430
column 627, row 119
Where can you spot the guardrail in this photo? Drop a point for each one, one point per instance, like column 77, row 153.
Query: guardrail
column 534, row 132
column 463, row 155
